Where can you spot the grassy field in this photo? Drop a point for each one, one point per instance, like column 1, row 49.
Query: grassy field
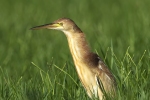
column 37, row 65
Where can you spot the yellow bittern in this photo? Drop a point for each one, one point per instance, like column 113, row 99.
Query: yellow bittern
column 93, row 73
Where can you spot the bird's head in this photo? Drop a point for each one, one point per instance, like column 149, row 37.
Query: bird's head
column 63, row 24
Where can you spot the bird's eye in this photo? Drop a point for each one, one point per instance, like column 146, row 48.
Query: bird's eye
column 61, row 24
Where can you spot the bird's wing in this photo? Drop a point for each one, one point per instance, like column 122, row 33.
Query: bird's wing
column 104, row 77
column 100, row 84
column 104, row 70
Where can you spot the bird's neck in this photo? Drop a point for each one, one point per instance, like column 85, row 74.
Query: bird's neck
column 79, row 48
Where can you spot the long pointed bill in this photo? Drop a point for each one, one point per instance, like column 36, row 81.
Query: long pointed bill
column 47, row 26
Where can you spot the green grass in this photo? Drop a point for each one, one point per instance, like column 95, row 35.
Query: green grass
column 37, row 65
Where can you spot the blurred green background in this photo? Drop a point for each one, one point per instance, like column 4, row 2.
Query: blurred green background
column 119, row 31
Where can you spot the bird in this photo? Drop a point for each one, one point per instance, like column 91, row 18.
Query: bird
column 93, row 73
